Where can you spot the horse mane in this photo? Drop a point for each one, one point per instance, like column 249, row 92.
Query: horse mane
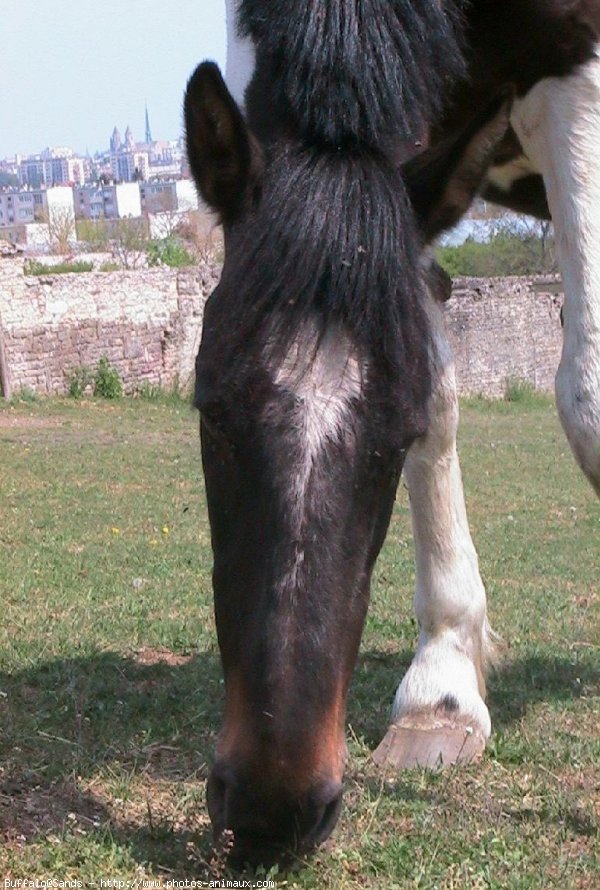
column 358, row 71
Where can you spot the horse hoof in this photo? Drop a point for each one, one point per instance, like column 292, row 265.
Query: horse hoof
column 424, row 740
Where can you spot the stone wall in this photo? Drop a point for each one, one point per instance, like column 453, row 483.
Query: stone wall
column 503, row 329
column 148, row 324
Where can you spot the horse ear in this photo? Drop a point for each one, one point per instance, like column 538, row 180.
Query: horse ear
column 223, row 155
column 443, row 182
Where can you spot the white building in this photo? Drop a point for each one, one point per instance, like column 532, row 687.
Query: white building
column 165, row 169
column 122, row 200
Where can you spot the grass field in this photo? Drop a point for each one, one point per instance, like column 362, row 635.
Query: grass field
column 111, row 692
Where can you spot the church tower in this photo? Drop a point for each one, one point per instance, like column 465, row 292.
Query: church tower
column 129, row 141
column 115, row 141
column 148, row 131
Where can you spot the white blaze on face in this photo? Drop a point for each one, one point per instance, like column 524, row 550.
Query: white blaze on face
column 326, row 378
column 240, row 56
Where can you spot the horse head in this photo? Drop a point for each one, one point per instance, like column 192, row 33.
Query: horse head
column 312, row 381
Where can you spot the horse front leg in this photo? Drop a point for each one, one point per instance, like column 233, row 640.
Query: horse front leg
column 558, row 124
column 439, row 714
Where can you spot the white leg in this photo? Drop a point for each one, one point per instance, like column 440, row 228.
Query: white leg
column 558, row 123
column 439, row 709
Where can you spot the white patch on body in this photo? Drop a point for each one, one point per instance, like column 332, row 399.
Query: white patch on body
column 558, row 125
column 454, row 636
column 241, row 59
column 505, row 175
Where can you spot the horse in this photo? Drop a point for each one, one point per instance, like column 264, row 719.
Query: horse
column 323, row 374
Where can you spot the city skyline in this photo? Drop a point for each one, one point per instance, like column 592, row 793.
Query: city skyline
column 97, row 150
column 91, row 74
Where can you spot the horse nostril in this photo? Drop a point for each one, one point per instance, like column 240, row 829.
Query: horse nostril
column 267, row 827
column 329, row 815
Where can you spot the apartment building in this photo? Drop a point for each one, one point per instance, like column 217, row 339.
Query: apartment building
column 35, row 205
column 116, row 201
column 34, row 216
column 175, row 196
column 53, row 167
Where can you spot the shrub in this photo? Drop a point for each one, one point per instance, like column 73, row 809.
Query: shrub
column 169, row 252
column 128, row 242
column 78, row 381
column 107, row 383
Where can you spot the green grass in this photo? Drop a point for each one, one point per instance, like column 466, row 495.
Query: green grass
column 111, row 691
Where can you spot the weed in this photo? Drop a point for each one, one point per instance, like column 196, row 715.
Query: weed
column 25, row 395
column 153, row 392
column 523, row 392
column 109, row 266
column 107, row 383
column 149, row 392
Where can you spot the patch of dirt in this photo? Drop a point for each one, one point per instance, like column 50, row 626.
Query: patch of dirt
column 160, row 655
column 29, row 810
column 22, row 421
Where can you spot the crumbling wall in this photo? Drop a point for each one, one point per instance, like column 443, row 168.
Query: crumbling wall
column 148, row 324
column 503, row 329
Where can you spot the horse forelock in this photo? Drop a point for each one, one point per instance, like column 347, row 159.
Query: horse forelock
column 332, row 241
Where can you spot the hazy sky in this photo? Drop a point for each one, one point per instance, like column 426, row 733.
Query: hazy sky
column 72, row 69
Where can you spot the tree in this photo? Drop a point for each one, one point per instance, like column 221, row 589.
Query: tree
column 129, row 239
column 515, row 245
column 94, row 232
column 61, row 228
